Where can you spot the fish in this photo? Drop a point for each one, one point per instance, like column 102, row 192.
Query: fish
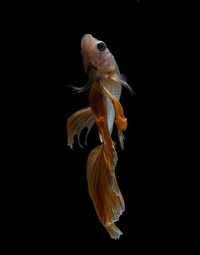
column 105, row 86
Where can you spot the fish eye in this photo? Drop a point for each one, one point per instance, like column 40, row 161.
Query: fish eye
column 101, row 46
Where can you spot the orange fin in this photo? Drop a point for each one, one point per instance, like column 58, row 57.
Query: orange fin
column 120, row 119
column 77, row 122
column 103, row 187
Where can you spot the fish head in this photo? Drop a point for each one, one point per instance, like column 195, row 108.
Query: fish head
column 96, row 57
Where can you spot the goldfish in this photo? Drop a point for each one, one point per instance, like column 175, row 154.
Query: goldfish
column 105, row 85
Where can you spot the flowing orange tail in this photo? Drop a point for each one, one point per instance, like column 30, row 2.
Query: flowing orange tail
column 103, row 187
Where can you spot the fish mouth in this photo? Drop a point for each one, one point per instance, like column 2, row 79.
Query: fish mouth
column 88, row 43
column 87, row 36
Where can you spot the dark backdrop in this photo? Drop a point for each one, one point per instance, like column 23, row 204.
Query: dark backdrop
column 149, row 45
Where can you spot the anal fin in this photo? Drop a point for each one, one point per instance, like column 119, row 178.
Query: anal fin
column 77, row 122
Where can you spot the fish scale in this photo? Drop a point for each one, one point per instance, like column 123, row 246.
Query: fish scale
column 116, row 91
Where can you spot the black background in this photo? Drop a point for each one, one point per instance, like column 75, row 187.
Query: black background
column 149, row 42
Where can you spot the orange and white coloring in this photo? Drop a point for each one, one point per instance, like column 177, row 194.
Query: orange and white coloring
column 105, row 84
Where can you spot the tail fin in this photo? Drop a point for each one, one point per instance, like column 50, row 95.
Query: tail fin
column 103, row 187
column 77, row 122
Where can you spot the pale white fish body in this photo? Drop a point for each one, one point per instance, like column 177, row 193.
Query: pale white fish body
column 101, row 65
column 115, row 90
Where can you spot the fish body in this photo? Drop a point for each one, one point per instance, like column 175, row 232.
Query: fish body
column 105, row 82
column 100, row 64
